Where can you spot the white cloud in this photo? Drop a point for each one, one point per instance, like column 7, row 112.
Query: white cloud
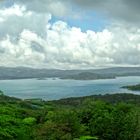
column 43, row 44
column 14, row 10
column 57, row 8
column 17, row 18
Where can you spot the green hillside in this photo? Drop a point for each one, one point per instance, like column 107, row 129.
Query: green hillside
column 107, row 117
column 133, row 87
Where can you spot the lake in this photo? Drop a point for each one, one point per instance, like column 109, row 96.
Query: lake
column 51, row 89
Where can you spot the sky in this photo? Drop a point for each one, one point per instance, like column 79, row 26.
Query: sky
column 69, row 34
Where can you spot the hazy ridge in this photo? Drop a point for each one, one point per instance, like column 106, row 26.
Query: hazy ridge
column 90, row 74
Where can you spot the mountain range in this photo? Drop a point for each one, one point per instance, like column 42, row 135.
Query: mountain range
column 89, row 74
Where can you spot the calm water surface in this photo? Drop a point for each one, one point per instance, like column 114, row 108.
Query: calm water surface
column 50, row 89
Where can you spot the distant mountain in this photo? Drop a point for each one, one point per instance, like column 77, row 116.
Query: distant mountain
column 25, row 72
column 120, row 71
column 88, row 76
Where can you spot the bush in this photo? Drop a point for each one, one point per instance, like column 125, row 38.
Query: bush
column 29, row 121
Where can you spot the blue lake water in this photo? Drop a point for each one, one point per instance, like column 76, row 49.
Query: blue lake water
column 51, row 89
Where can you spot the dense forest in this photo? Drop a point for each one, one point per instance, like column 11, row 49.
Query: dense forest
column 99, row 117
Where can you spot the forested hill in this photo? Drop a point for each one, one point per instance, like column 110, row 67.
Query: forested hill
column 100, row 117
column 133, row 87
column 24, row 72
column 110, row 98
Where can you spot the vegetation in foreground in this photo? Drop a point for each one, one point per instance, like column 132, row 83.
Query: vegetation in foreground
column 107, row 117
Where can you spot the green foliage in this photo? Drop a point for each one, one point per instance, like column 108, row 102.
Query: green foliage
column 90, row 119
column 61, row 124
column 29, row 121
column 108, row 121
column 88, row 138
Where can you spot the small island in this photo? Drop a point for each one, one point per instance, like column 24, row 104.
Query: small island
column 133, row 87
column 41, row 78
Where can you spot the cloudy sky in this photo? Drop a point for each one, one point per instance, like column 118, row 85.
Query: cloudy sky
column 69, row 34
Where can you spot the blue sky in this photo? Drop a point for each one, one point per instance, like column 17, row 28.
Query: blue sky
column 7, row 3
column 89, row 21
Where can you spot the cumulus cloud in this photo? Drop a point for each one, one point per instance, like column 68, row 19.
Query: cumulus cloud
column 55, row 7
column 17, row 18
column 28, row 38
